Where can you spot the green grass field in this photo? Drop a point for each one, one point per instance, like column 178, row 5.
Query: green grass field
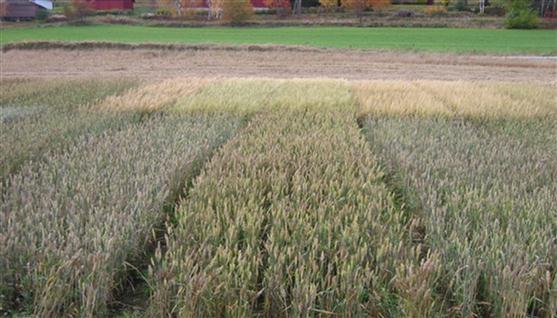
column 420, row 39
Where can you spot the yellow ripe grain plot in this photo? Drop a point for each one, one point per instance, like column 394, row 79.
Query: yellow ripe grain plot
column 458, row 99
column 247, row 96
column 397, row 98
column 154, row 97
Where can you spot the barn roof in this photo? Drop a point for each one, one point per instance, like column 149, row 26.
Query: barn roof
column 47, row 4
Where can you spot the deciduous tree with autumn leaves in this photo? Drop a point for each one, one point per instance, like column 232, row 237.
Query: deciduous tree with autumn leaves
column 357, row 6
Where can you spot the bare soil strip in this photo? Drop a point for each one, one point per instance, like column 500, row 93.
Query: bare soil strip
column 50, row 60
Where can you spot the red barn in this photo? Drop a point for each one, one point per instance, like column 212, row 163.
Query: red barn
column 111, row 4
column 257, row 4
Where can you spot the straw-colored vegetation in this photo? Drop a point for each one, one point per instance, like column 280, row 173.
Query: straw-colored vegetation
column 476, row 162
column 488, row 204
column 248, row 96
column 154, row 97
column 70, row 221
column 38, row 116
column 456, row 99
column 442, row 205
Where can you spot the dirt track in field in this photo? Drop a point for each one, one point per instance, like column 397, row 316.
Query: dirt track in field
column 277, row 62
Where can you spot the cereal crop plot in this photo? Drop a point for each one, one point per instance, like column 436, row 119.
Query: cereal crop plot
column 291, row 218
column 441, row 205
column 70, row 221
column 455, row 99
column 39, row 116
column 481, row 170
column 249, row 96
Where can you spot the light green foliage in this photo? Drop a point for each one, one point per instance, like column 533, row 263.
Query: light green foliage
column 420, row 39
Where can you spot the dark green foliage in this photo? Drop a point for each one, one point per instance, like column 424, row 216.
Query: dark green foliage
column 521, row 16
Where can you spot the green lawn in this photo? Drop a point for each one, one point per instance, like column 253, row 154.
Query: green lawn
column 422, row 39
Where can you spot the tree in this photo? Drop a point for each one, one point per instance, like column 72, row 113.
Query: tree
column 329, row 5
column 184, row 7
column 357, row 6
column 166, row 8
column 379, row 5
column 520, row 15
column 297, row 7
column 215, row 9
column 236, row 11
column 78, row 9
column 282, row 7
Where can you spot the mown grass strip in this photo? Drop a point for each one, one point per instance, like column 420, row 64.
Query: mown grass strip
column 421, row 39
column 290, row 218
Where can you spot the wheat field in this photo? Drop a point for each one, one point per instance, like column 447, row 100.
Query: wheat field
column 203, row 197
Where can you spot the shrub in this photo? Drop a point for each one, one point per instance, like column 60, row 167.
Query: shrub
column 166, row 8
column 525, row 19
column 78, row 9
column 495, row 11
column 237, row 11
column 281, row 7
column 520, row 15
column 328, row 5
column 435, row 10
column 460, row 5
column 378, row 5
column 42, row 15
column 404, row 13
column 357, row 6
column 163, row 12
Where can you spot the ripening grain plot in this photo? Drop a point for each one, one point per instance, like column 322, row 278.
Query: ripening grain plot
column 40, row 116
column 483, row 177
column 154, row 97
column 290, row 218
column 248, row 96
column 69, row 222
